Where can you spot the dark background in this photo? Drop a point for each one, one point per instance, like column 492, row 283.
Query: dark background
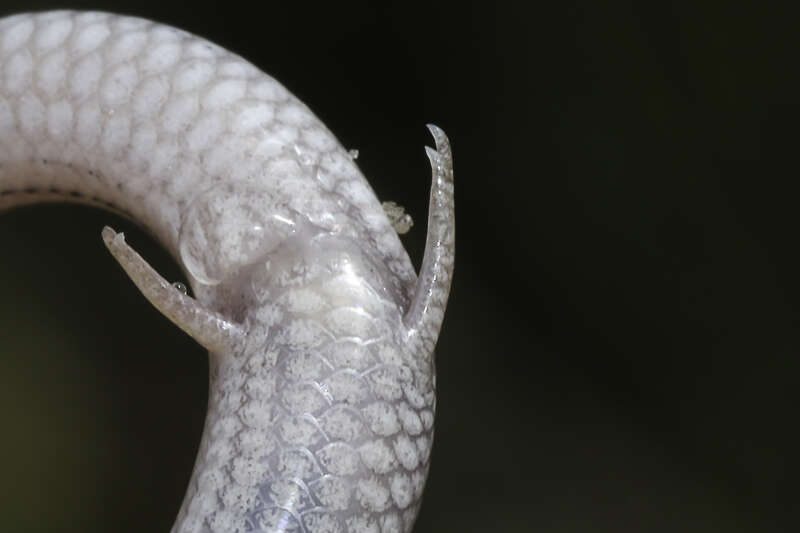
column 621, row 348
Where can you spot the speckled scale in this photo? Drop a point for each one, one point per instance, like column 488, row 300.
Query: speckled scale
column 154, row 116
column 322, row 383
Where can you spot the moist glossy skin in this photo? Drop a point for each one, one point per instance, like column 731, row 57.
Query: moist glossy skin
column 320, row 335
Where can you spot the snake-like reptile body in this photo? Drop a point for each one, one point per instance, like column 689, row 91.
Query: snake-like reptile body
column 321, row 336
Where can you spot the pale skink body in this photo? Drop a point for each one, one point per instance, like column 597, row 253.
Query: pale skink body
column 321, row 336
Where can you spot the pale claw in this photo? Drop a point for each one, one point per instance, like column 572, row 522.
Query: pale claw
column 209, row 328
column 425, row 315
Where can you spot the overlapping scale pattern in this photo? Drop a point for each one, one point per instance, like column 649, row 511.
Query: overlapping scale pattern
column 323, row 421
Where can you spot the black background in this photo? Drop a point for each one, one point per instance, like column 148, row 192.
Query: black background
column 621, row 348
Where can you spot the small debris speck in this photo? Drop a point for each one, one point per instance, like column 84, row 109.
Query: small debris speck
column 180, row 287
column 401, row 221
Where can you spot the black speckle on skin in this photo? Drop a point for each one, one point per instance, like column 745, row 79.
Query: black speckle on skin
column 71, row 195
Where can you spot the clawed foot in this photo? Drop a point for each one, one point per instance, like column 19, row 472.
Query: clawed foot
column 209, row 328
column 424, row 316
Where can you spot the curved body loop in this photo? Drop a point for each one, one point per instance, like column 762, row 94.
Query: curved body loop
column 320, row 334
